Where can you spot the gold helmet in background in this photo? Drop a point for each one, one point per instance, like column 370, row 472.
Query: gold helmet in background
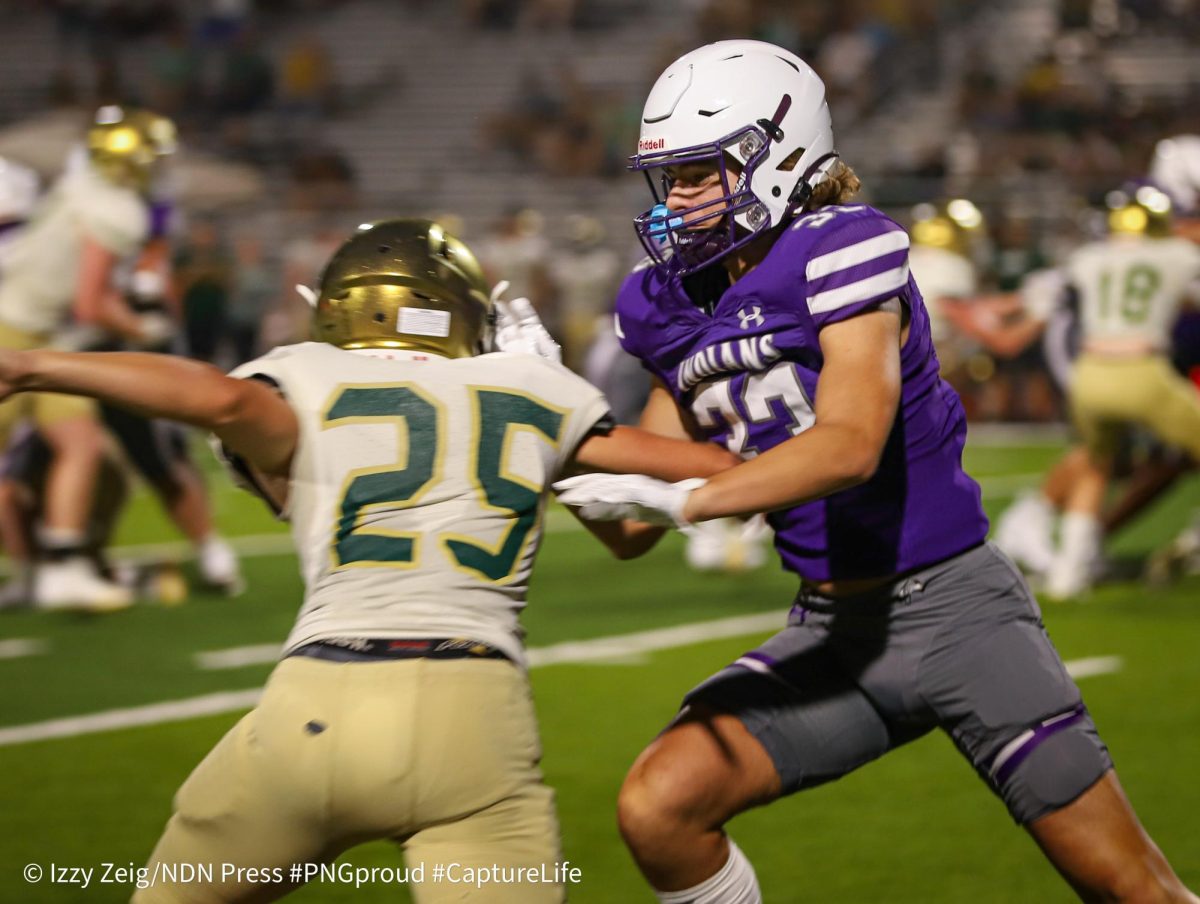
column 1144, row 210
column 956, row 226
column 404, row 284
column 124, row 144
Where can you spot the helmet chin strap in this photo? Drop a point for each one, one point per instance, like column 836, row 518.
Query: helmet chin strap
column 801, row 194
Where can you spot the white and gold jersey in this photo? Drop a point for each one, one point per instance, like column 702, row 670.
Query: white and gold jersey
column 941, row 274
column 1131, row 287
column 417, row 487
column 41, row 268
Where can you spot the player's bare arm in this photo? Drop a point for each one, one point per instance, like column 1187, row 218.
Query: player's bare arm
column 632, row 450
column 663, row 436
column 248, row 416
column 855, row 406
column 96, row 301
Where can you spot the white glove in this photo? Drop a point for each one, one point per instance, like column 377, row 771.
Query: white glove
column 613, row 497
column 520, row 330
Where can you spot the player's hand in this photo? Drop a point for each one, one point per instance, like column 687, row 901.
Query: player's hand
column 615, row 497
column 520, row 330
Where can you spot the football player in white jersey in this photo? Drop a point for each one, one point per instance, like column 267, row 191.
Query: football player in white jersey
column 942, row 260
column 62, row 263
column 1131, row 287
column 414, row 472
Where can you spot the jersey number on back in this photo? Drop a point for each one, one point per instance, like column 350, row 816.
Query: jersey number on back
column 1137, row 290
column 496, row 415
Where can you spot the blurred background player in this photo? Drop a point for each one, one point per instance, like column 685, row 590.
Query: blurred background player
column 1176, row 169
column 98, row 218
column 61, row 263
column 947, row 242
column 157, row 448
column 1131, row 287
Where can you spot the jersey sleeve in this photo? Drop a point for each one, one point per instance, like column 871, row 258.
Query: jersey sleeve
column 857, row 263
column 588, row 411
column 114, row 217
column 272, row 369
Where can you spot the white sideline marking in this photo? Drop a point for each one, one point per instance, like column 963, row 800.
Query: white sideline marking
column 237, row 657
column 18, row 647
column 597, row 650
column 110, row 720
column 1094, row 665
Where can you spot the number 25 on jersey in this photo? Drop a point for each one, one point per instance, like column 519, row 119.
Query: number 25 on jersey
column 496, row 414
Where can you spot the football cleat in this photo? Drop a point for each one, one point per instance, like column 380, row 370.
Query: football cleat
column 219, row 566
column 1025, row 533
column 73, row 585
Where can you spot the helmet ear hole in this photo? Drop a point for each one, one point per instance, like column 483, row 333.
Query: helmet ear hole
column 379, row 317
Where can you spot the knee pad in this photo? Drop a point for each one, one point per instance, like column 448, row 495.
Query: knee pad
column 1049, row 765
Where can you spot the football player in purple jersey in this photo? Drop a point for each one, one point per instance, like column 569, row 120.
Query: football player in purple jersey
column 779, row 319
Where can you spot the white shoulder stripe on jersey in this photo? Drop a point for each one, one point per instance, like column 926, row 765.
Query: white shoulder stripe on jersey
column 863, row 290
column 858, row 253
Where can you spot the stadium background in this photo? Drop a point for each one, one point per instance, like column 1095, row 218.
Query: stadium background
column 301, row 119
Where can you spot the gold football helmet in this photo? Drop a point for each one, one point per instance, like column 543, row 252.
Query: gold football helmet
column 1141, row 211
column 956, row 226
column 404, row 284
column 124, row 144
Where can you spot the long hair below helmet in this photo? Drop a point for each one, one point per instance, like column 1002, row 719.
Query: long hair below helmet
column 405, row 284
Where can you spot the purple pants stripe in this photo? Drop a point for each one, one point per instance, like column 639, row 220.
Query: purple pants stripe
column 1008, row 760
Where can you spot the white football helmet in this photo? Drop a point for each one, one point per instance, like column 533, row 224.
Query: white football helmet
column 747, row 101
column 1176, row 170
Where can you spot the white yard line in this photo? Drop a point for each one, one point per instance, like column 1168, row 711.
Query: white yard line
column 237, row 657
column 110, row 720
column 596, row 650
column 1094, row 665
column 19, row 647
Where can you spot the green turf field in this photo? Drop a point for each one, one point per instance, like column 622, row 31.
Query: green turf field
column 917, row 827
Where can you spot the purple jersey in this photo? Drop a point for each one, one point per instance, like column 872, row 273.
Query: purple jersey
column 748, row 372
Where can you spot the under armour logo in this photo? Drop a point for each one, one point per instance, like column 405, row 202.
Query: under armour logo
column 754, row 318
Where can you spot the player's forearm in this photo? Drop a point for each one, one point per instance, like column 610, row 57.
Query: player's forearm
column 147, row 384
column 821, row 461
column 1009, row 341
column 624, row 539
column 629, row 450
column 114, row 315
